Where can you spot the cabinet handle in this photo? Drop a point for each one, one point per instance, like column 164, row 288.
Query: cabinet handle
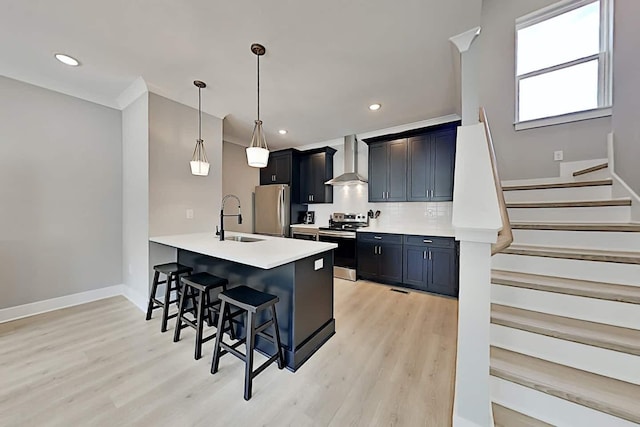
column 377, row 237
column 379, row 250
column 375, row 250
column 427, row 241
column 312, row 197
column 424, row 254
column 429, row 254
column 383, row 194
column 387, row 195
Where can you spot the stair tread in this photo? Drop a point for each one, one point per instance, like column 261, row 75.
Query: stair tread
column 589, row 333
column 622, row 257
column 572, row 204
column 505, row 417
column 591, row 169
column 614, row 227
column 582, row 288
column 608, row 395
column 571, row 184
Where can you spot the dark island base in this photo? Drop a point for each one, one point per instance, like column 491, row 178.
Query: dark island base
column 305, row 309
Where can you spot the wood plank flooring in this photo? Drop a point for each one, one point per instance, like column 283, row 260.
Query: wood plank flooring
column 391, row 362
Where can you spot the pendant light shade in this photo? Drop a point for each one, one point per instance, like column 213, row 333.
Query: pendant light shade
column 199, row 162
column 258, row 151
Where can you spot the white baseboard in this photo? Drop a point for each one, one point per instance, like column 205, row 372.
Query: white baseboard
column 38, row 307
column 459, row 421
column 621, row 187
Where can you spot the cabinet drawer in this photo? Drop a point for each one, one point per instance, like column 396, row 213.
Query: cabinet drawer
column 442, row 242
column 380, row 237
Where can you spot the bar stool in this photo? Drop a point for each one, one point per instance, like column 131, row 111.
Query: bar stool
column 253, row 302
column 173, row 271
column 197, row 288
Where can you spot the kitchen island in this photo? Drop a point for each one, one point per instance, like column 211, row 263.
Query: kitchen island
column 299, row 272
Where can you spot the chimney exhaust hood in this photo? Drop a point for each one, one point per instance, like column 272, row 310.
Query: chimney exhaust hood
column 350, row 175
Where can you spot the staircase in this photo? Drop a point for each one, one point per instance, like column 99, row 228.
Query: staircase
column 565, row 314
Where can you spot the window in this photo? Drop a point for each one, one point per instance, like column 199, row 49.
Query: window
column 563, row 63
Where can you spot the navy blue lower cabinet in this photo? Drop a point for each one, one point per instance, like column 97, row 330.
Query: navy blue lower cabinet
column 431, row 264
column 367, row 267
column 390, row 262
column 380, row 257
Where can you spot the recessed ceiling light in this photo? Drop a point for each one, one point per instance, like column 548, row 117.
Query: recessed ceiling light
column 66, row 59
column 282, row 131
column 374, row 107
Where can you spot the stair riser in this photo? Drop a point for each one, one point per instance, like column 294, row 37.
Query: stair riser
column 589, row 309
column 613, row 364
column 602, row 192
column 589, row 214
column 549, row 408
column 601, row 240
column 606, row 272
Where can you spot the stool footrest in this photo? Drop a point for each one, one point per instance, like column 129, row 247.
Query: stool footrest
column 264, row 326
column 232, row 349
column 265, row 365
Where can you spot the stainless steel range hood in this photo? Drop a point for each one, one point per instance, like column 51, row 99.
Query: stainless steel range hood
column 350, row 175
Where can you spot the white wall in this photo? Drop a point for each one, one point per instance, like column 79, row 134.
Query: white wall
column 173, row 130
column 240, row 179
column 526, row 153
column 135, row 199
column 60, row 195
column 626, row 92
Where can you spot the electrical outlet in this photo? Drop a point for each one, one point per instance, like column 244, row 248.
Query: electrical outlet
column 558, row 156
column 189, row 213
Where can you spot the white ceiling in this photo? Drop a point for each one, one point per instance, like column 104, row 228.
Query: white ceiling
column 326, row 60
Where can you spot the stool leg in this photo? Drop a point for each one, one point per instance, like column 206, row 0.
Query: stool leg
column 199, row 325
column 216, row 348
column 248, row 368
column 165, row 309
column 277, row 336
column 156, row 276
column 181, row 310
column 227, row 313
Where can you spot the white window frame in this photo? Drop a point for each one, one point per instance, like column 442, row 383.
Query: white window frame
column 605, row 63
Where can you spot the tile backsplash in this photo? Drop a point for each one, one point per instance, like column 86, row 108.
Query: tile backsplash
column 354, row 198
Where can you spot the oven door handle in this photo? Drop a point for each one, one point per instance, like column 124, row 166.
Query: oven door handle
column 337, row 234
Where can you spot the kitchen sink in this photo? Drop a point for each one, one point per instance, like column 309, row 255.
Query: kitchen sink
column 243, row 239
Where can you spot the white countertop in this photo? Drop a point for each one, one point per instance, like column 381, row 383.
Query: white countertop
column 268, row 253
column 437, row 229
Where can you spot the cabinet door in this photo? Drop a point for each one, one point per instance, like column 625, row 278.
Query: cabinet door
column 415, row 266
column 419, row 176
column 390, row 262
column 377, row 172
column 318, row 177
column 268, row 173
column 397, row 171
column 443, row 160
column 305, row 179
column 442, row 271
column 367, row 260
column 283, row 169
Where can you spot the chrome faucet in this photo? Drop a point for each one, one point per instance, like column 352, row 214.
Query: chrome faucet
column 222, row 215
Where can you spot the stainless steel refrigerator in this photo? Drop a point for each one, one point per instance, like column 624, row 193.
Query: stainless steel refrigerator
column 272, row 210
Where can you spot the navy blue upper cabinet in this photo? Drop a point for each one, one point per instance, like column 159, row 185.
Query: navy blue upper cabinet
column 388, row 171
column 316, row 168
column 279, row 169
column 415, row 166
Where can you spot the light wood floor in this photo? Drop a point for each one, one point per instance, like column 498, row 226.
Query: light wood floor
column 391, row 363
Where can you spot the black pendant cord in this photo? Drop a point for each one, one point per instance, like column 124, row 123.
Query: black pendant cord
column 199, row 114
column 258, row 87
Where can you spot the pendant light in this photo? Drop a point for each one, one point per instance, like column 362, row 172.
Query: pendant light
column 199, row 162
column 258, row 151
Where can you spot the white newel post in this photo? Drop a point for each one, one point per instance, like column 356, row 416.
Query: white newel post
column 476, row 220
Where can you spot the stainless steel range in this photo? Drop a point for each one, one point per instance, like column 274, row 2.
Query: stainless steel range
column 342, row 231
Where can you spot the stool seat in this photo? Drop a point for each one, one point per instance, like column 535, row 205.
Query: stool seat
column 204, row 281
column 172, row 268
column 247, row 298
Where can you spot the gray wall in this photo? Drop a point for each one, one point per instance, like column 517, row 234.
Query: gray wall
column 526, row 153
column 626, row 92
column 135, row 212
column 60, row 193
column 173, row 130
column 240, row 179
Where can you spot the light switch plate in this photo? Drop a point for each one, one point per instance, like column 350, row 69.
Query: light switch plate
column 189, row 213
column 318, row 264
column 558, row 156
